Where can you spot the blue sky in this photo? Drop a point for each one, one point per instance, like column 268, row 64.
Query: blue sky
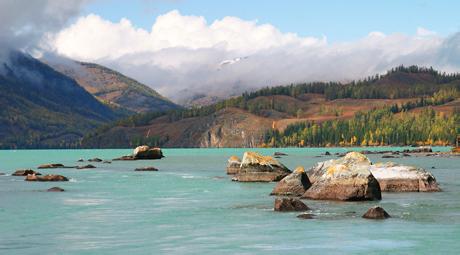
column 337, row 20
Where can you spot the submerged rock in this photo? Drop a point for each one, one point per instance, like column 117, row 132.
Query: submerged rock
column 86, row 167
column 376, row 212
column 306, row 216
column 107, row 162
column 289, row 205
column 25, row 172
column 233, row 165
column 55, row 189
column 146, row 152
column 394, row 177
column 80, row 160
column 95, row 160
column 295, row 184
column 257, row 168
column 145, row 169
column 49, row 166
column 279, row 154
column 129, row 157
column 346, row 179
column 46, row 178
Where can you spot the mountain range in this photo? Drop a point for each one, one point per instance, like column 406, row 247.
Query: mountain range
column 54, row 107
column 69, row 104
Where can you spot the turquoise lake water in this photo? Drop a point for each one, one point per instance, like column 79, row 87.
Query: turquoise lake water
column 190, row 206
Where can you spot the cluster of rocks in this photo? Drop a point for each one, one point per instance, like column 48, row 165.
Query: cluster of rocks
column 350, row 178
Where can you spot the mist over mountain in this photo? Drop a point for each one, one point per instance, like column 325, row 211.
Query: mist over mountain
column 44, row 108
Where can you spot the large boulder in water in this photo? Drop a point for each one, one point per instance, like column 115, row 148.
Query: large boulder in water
column 233, row 165
column 377, row 213
column 290, row 205
column 394, row 177
column 346, row 179
column 257, row 168
column 294, row 184
column 146, row 152
column 46, row 178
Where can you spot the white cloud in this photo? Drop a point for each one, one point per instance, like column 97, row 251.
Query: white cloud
column 180, row 55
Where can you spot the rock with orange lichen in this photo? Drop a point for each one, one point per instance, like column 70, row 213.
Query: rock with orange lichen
column 258, row 168
column 233, row 165
column 294, row 184
column 346, row 179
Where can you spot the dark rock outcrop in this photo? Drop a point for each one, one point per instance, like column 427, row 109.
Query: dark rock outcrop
column 279, row 154
column 289, row 205
column 146, row 169
column 376, row 212
column 95, row 160
column 55, row 189
column 258, row 168
column 233, row 165
column 394, row 177
column 294, row 184
column 345, row 179
column 25, row 172
column 46, row 178
column 86, row 167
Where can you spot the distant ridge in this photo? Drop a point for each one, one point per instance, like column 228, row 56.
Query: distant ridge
column 114, row 88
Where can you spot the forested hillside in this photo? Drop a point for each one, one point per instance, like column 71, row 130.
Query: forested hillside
column 41, row 108
column 292, row 112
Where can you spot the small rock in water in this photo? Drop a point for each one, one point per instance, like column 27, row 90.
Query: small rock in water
column 327, row 153
column 377, row 213
column 306, row 216
column 289, row 205
column 85, row 167
column 2, row 173
column 279, row 154
column 95, row 160
column 25, row 172
column 146, row 169
column 80, row 160
column 48, row 166
column 55, row 189
column 389, row 156
column 46, row 178
column 107, row 162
